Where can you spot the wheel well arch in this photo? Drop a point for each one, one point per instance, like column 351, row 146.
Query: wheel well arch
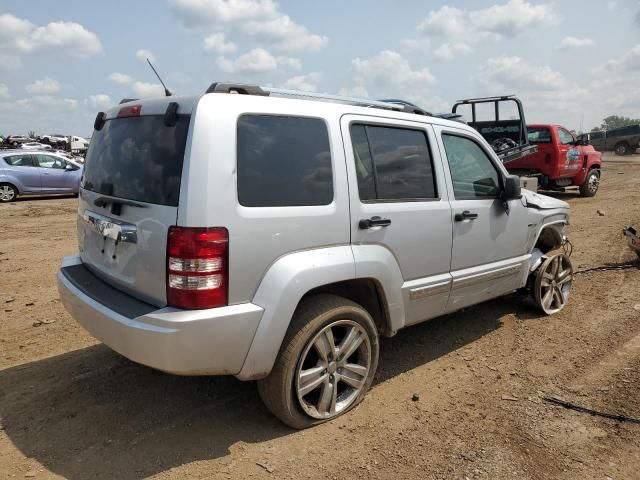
column 549, row 238
column 12, row 184
column 366, row 292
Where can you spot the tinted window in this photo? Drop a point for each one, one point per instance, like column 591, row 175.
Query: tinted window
column 47, row 161
column 538, row 135
column 594, row 135
column 283, row 161
column 472, row 172
column 19, row 160
column 392, row 163
column 138, row 158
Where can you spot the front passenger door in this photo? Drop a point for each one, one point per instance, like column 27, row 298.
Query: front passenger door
column 53, row 175
column 488, row 255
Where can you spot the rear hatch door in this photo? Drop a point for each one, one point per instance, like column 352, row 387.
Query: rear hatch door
column 129, row 196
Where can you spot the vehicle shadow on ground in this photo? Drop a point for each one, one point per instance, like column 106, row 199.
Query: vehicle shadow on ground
column 27, row 198
column 91, row 413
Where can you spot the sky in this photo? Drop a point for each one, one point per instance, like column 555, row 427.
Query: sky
column 570, row 62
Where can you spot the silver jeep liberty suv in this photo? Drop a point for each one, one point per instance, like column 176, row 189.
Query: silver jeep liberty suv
column 275, row 235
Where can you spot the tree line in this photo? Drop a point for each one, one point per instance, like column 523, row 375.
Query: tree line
column 615, row 121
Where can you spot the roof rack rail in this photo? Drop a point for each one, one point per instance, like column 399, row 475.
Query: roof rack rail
column 241, row 88
column 408, row 106
column 126, row 100
column 245, row 89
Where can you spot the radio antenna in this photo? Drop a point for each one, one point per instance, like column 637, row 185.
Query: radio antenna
column 167, row 92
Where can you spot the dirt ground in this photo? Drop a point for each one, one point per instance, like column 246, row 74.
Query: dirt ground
column 72, row 408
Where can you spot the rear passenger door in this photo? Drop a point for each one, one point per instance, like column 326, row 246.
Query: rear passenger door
column 22, row 168
column 399, row 208
column 489, row 255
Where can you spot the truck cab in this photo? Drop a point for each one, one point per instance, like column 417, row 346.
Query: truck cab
column 560, row 161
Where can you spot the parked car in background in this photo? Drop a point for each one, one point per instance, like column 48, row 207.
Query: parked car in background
column 37, row 173
column 276, row 239
column 16, row 140
column 561, row 160
column 623, row 140
column 35, row 146
column 54, row 139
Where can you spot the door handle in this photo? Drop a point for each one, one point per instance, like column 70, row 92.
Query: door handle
column 374, row 222
column 466, row 215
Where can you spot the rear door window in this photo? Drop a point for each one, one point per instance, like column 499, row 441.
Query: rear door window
column 283, row 161
column 137, row 158
column 392, row 163
column 22, row 160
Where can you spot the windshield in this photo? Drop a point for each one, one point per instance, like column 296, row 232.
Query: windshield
column 137, row 158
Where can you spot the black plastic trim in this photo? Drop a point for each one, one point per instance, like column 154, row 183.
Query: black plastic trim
column 103, row 293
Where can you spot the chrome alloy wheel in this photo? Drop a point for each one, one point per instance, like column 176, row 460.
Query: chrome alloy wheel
column 333, row 369
column 7, row 193
column 593, row 182
column 553, row 283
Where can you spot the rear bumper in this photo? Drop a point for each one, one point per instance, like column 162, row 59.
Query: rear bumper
column 184, row 342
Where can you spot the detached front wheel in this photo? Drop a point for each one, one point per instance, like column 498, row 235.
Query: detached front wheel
column 326, row 363
column 553, row 283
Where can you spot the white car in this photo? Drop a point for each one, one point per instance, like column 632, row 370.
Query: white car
column 35, row 146
column 54, row 138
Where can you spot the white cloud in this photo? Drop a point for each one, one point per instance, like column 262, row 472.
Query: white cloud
column 576, row 42
column 356, row 92
column 143, row 54
column 257, row 60
column 196, row 13
column 46, row 86
column 146, row 90
column 389, row 68
column 281, row 33
column 611, row 4
column 515, row 74
column 217, row 43
column 9, row 63
column 306, row 83
column 448, row 51
column 120, row 78
column 260, row 20
column 68, row 38
column 547, row 95
column 99, row 101
column 4, row 92
column 387, row 75
column 456, row 26
column 629, row 61
column 72, row 103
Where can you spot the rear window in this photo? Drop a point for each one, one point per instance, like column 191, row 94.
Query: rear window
column 283, row 161
column 538, row 135
column 137, row 158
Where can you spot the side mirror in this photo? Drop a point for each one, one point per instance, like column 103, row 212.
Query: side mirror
column 69, row 167
column 512, row 188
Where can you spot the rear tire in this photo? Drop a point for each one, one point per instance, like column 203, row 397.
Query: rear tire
column 8, row 193
column 307, row 387
column 622, row 148
column 591, row 183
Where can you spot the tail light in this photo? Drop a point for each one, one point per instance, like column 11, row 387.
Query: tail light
column 197, row 267
column 130, row 111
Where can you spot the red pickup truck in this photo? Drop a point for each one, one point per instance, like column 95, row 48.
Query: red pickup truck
column 561, row 160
